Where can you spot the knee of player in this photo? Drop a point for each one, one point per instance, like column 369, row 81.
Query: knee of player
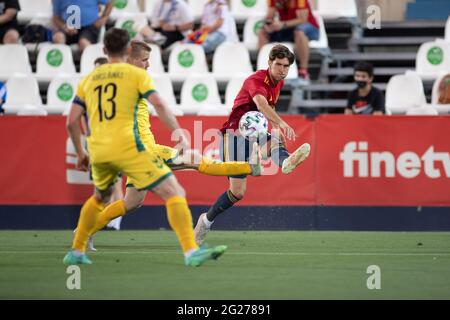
column 238, row 194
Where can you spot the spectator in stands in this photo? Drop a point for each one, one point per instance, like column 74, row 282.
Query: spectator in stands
column 215, row 26
column 365, row 99
column 291, row 21
column 2, row 97
column 443, row 90
column 8, row 21
column 171, row 21
column 90, row 21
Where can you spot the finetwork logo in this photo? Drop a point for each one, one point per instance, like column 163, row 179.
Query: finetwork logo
column 358, row 160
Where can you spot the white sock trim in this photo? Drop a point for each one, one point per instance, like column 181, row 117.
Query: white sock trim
column 207, row 222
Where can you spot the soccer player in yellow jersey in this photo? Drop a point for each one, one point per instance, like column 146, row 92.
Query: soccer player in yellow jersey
column 139, row 57
column 108, row 97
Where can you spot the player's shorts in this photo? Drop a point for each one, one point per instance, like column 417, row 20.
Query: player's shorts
column 237, row 148
column 144, row 171
column 165, row 153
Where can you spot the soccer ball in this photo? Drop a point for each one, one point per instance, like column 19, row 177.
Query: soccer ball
column 253, row 124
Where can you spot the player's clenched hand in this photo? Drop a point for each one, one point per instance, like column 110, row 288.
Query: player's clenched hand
column 288, row 131
column 183, row 144
column 83, row 161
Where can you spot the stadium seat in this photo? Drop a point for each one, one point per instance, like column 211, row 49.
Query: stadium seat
column 199, row 91
column 219, row 110
column 35, row 9
column 30, row 110
column 60, row 94
column 165, row 90
column 433, row 59
column 404, row 91
column 197, row 8
column 243, row 9
column 53, row 60
column 425, row 110
column 124, row 8
column 337, row 9
column 22, row 90
column 89, row 55
column 133, row 24
column 250, row 33
column 185, row 59
column 233, row 88
column 156, row 63
column 263, row 57
column 322, row 43
column 14, row 59
column 231, row 59
column 149, row 7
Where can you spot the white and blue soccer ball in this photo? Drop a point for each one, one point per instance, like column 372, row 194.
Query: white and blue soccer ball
column 253, row 124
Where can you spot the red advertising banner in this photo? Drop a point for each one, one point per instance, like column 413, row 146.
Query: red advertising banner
column 364, row 161
column 37, row 163
column 385, row 161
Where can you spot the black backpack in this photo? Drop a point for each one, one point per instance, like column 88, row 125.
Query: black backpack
column 36, row 33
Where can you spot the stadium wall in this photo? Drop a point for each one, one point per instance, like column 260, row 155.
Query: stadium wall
column 364, row 173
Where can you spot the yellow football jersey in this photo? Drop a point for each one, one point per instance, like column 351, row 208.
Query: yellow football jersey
column 111, row 95
column 144, row 123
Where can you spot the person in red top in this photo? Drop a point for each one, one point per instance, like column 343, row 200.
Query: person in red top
column 259, row 92
column 291, row 21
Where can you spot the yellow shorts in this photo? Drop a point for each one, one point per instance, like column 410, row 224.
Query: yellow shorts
column 145, row 170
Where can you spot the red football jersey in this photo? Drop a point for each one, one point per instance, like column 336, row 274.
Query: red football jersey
column 258, row 83
column 287, row 9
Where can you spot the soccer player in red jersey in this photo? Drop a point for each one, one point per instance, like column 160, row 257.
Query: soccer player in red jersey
column 259, row 92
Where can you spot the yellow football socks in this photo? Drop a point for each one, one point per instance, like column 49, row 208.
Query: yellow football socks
column 180, row 220
column 217, row 168
column 88, row 216
column 111, row 212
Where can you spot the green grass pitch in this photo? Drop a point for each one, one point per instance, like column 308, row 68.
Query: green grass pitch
column 257, row 265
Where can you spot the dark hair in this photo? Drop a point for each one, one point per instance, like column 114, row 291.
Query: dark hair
column 138, row 46
column 116, row 41
column 363, row 66
column 100, row 61
column 280, row 51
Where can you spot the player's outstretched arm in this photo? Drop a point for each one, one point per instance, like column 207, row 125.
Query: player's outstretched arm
column 74, row 130
column 273, row 117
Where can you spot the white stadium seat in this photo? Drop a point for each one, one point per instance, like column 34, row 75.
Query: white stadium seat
column 433, row 59
column 263, row 58
column 165, row 90
column 34, row 9
column 337, row 9
column 404, row 91
column 14, row 59
column 133, row 24
column 199, row 91
column 155, row 59
column 322, row 42
column 218, row 110
column 89, row 55
column 30, row 110
column 186, row 59
column 250, row 33
column 54, row 60
column 231, row 59
column 242, row 9
column 233, row 88
column 60, row 94
column 425, row 110
column 22, row 90
column 124, row 8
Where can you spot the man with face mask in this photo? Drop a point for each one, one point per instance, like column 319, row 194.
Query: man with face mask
column 365, row 99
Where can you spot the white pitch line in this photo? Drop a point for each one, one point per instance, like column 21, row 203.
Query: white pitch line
column 253, row 253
